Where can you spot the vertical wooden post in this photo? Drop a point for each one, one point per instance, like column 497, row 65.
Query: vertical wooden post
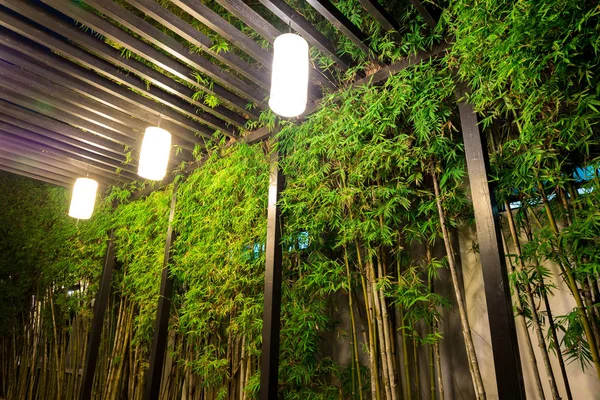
column 161, row 326
column 269, row 366
column 507, row 362
column 100, row 303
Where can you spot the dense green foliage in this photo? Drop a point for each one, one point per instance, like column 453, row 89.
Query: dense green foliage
column 376, row 181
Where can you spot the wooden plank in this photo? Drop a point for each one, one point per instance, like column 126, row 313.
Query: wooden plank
column 179, row 51
column 75, row 105
column 17, row 83
column 106, row 91
column 343, row 24
column 200, row 40
column 254, row 20
column 40, row 170
column 30, row 102
column 269, row 364
column 54, row 142
column 163, row 312
column 218, row 24
column 45, row 126
column 45, row 178
column 177, row 96
column 388, row 23
column 505, row 347
column 141, row 48
column 22, row 145
column 52, row 167
column 16, row 70
column 424, row 12
column 288, row 15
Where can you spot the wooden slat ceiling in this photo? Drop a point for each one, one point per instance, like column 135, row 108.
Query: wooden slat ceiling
column 80, row 80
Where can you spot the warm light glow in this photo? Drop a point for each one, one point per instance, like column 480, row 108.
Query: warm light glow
column 289, row 80
column 84, row 197
column 154, row 156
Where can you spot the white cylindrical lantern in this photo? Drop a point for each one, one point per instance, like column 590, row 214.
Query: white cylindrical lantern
column 154, row 156
column 289, row 79
column 84, row 197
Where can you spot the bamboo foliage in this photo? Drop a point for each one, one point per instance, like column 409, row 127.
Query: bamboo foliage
column 375, row 192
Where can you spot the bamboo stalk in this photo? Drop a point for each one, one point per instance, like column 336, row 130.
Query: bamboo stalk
column 375, row 390
column 373, row 294
column 405, row 358
column 416, row 364
column 559, row 355
column 521, row 317
column 438, row 364
column 466, row 329
column 57, row 361
column 386, row 331
column 572, row 284
column 354, row 344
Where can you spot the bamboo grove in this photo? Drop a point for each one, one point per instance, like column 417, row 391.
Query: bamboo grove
column 376, row 191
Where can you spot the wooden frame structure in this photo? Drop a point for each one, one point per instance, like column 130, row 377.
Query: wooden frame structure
column 75, row 100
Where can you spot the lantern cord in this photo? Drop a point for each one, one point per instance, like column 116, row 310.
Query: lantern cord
column 159, row 119
column 87, row 173
column 290, row 26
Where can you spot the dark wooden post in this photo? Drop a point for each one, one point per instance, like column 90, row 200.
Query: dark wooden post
column 100, row 303
column 161, row 326
column 269, row 366
column 509, row 376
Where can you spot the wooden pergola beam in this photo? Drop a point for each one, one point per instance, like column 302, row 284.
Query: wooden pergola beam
column 424, row 12
column 95, row 333
column 143, row 49
column 25, row 145
column 254, row 20
column 288, row 15
column 388, row 23
column 78, row 106
column 64, row 94
column 90, row 84
column 171, row 93
column 218, row 24
column 180, row 52
column 45, row 126
column 31, row 102
column 53, row 141
column 160, row 336
column 200, row 40
column 342, row 23
column 95, row 123
column 25, row 167
column 269, row 363
column 505, row 345
column 50, row 166
column 47, row 178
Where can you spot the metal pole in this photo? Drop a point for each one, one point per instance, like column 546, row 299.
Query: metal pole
column 269, row 366
column 91, row 354
column 507, row 362
column 161, row 327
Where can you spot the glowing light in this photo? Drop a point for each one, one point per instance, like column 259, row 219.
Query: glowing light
column 84, row 198
column 154, row 156
column 289, row 80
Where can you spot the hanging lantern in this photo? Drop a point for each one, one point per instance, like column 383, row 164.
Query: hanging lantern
column 289, row 79
column 154, row 156
column 84, row 197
